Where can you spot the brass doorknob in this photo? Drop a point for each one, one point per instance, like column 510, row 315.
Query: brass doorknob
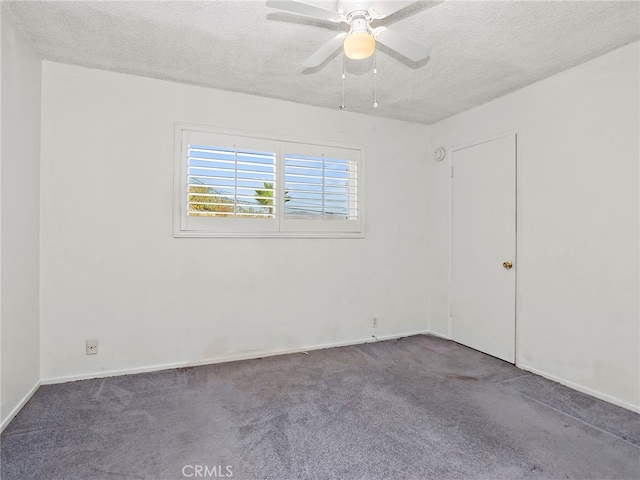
column 508, row 264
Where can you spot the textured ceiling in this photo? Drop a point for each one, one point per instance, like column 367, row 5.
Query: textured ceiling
column 479, row 50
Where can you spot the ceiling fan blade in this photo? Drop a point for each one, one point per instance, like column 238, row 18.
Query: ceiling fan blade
column 300, row 8
column 404, row 46
column 383, row 9
column 325, row 51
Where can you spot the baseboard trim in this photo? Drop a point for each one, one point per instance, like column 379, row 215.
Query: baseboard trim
column 581, row 388
column 440, row 335
column 228, row 358
column 18, row 407
column 271, row 353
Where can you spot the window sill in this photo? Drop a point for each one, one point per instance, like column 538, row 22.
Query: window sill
column 199, row 234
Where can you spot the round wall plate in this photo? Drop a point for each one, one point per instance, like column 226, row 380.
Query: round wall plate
column 439, row 154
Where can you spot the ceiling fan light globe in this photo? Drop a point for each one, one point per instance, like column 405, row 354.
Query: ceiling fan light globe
column 359, row 45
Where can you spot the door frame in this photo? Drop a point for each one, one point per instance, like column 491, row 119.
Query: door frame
column 518, row 200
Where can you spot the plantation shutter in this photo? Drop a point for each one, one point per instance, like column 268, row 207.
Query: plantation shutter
column 228, row 182
column 320, row 185
column 230, row 178
column 237, row 185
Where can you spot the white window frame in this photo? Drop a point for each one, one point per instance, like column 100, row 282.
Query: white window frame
column 279, row 227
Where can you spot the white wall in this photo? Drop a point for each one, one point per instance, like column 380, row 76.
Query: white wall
column 112, row 270
column 578, row 245
column 19, row 219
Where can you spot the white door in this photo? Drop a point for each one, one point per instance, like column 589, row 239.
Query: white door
column 483, row 296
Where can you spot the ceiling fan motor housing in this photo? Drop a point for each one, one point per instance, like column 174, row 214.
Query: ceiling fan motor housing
column 359, row 22
column 347, row 7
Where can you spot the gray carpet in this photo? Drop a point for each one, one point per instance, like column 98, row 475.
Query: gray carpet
column 418, row 408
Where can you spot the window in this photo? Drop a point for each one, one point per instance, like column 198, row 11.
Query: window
column 231, row 184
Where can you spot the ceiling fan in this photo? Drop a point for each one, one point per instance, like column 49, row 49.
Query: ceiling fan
column 360, row 41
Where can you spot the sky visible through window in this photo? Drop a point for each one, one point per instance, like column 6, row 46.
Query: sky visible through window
column 316, row 186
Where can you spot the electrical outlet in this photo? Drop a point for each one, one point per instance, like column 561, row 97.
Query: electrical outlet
column 92, row 347
column 374, row 323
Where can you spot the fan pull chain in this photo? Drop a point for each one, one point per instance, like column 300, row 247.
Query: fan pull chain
column 375, row 80
column 342, row 107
